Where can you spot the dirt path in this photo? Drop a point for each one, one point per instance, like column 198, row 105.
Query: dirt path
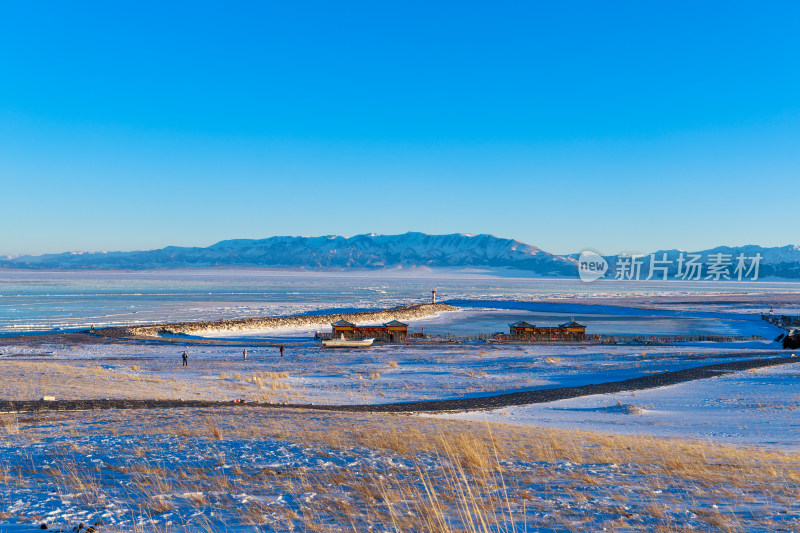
column 459, row 404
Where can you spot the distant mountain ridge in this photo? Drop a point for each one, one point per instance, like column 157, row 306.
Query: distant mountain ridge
column 372, row 251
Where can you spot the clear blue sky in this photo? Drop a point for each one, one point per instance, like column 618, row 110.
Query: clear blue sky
column 612, row 125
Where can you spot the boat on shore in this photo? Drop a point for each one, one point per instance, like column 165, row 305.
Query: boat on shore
column 347, row 343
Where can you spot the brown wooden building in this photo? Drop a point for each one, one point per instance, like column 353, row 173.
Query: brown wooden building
column 571, row 329
column 342, row 326
column 521, row 328
column 394, row 330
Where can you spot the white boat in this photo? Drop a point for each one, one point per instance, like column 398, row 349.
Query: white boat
column 347, row 343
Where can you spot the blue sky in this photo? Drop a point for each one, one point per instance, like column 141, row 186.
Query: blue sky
column 616, row 126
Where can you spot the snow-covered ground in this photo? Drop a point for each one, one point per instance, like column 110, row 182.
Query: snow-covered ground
column 309, row 373
column 760, row 407
column 189, row 470
column 721, row 408
column 251, row 469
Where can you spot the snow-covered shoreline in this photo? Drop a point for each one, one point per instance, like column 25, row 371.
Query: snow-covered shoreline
column 298, row 322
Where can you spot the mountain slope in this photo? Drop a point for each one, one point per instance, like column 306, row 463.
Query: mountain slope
column 371, row 251
column 361, row 251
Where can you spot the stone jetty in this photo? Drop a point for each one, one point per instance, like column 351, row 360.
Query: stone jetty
column 209, row 327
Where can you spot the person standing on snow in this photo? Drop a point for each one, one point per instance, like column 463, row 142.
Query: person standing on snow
column 185, row 358
column 281, row 350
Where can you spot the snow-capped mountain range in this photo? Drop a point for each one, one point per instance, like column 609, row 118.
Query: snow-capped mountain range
column 371, row 251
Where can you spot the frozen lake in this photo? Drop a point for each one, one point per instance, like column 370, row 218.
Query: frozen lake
column 35, row 301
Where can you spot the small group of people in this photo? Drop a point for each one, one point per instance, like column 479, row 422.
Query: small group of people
column 185, row 356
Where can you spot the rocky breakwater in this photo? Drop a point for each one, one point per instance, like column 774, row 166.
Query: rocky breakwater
column 209, row 327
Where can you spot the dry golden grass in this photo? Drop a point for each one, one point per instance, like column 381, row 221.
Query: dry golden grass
column 267, row 380
column 80, row 481
column 30, row 380
column 163, row 379
column 439, row 475
column 9, row 424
